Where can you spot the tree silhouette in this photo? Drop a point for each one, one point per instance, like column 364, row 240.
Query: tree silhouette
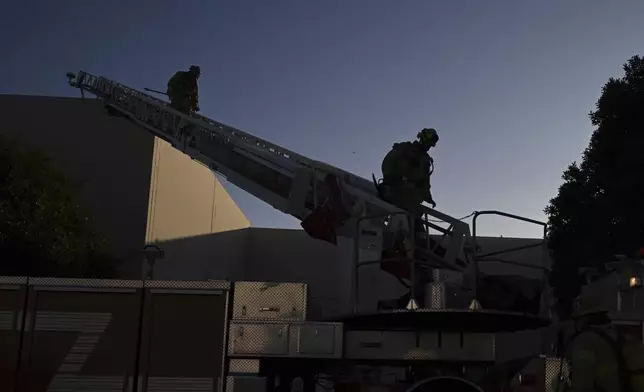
column 599, row 209
column 43, row 229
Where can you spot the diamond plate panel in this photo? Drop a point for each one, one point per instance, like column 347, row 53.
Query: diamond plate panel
column 81, row 282
column 13, row 280
column 188, row 284
column 243, row 366
column 435, row 296
column 270, row 301
column 447, row 276
column 439, row 296
column 557, row 374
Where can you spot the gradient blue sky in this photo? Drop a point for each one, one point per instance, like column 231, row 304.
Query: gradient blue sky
column 508, row 84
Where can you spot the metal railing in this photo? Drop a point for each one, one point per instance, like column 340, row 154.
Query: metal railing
column 486, row 256
column 472, row 265
column 512, row 249
column 355, row 285
column 435, row 260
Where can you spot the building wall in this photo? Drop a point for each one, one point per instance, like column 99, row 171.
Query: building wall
column 282, row 255
column 219, row 256
column 291, row 255
column 186, row 199
column 111, row 157
column 187, row 205
column 139, row 188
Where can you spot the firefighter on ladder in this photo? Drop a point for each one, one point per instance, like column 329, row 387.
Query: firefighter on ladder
column 603, row 357
column 183, row 91
column 184, row 97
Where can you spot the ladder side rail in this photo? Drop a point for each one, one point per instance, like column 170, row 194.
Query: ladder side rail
column 147, row 114
column 107, row 86
column 302, row 161
column 217, row 154
column 130, row 106
column 281, row 165
column 347, row 177
column 276, row 162
column 108, row 90
column 277, row 180
column 233, row 176
column 273, row 199
column 227, row 130
column 253, row 140
column 113, row 91
column 288, row 154
column 111, row 88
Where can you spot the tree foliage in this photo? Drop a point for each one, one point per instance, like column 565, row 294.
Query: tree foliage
column 43, row 229
column 599, row 209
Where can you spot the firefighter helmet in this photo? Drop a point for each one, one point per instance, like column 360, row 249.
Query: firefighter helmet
column 195, row 69
column 428, row 137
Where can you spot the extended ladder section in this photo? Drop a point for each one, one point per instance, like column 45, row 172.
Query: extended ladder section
column 290, row 182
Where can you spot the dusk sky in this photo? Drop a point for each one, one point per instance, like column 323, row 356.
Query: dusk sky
column 507, row 84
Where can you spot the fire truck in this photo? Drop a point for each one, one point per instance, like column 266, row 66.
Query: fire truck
column 456, row 327
column 62, row 334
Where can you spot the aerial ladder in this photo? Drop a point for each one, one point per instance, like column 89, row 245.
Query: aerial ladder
column 329, row 201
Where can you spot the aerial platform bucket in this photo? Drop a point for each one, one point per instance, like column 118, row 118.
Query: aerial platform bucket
column 321, row 223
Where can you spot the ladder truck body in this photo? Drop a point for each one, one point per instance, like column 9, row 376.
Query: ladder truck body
column 457, row 339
